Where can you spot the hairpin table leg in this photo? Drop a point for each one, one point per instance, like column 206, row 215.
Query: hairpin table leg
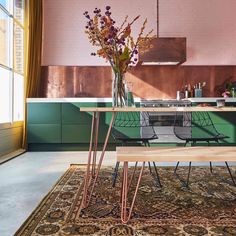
column 101, row 157
column 132, row 176
column 125, row 217
column 124, row 194
column 157, row 177
column 87, row 175
column 232, row 178
column 95, row 145
column 114, row 175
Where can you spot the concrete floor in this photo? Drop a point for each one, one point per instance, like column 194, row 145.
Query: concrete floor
column 25, row 180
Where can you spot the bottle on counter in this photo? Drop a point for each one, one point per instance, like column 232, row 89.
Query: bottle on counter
column 194, row 87
column 178, row 95
column 198, row 90
column 233, row 92
column 186, row 91
column 190, row 91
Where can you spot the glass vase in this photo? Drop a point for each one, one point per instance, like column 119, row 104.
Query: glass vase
column 119, row 90
column 130, row 98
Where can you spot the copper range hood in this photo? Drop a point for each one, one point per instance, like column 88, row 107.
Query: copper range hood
column 164, row 51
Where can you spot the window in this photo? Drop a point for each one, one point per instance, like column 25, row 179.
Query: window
column 12, row 54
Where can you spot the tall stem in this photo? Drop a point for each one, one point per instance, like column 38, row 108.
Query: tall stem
column 118, row 90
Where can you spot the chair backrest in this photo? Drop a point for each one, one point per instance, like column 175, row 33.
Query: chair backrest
column 127, row 126
column 195, row 125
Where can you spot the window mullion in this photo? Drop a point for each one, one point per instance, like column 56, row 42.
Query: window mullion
column 13, row 67
column 12, row 97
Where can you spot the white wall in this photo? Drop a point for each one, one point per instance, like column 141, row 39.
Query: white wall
column 209, row 25
column 64, row 40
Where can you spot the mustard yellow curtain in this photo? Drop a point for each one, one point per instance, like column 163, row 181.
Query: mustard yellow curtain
column 34, row 18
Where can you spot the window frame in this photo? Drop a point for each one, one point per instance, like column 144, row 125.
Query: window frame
column 12, row 65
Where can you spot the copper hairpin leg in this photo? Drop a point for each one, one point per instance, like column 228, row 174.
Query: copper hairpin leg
column 125, row 216
column 132, row 176
column 95, row 145
column 87, row 196
column 87, row 176
column 130, row 181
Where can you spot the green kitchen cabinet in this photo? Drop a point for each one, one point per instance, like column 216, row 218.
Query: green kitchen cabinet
column 126, row 131
column 64, row 125
column 228, row 130
column 44, row 123
column 223, row 117
column 44, row 133
column 75, row 133
column 225, row 123
column 71, row 114
column 44, row 113
column 76, row 125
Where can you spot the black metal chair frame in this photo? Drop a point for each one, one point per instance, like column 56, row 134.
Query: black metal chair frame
column 134, row 120
column 204, row 123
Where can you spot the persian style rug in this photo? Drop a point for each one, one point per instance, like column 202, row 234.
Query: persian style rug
column 208, row 207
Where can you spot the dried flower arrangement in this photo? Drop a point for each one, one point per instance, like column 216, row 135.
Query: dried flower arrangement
column 116, row 45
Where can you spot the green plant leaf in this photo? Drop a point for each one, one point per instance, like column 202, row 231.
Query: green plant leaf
column 125, row 55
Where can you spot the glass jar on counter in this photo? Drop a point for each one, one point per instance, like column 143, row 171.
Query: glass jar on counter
column 197, row 92
column 233, row 92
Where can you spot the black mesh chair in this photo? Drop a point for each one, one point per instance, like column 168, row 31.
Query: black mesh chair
column 193, row 127
column 133, row 128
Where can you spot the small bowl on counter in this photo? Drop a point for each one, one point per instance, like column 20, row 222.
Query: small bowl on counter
column 220, row 102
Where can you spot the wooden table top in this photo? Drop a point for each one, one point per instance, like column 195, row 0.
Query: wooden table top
column 172, row 154
column 158, row 109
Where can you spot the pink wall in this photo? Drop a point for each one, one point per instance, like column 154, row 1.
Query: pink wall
column 64, row 40
column 209, row 25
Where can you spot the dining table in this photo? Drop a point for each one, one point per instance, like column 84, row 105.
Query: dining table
column 94, row 164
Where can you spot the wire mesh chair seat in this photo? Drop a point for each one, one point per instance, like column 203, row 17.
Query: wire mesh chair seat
column 127, row 129
column 196, row 126
column 193, row 127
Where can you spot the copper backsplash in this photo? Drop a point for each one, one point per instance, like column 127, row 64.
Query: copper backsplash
column 148, row 81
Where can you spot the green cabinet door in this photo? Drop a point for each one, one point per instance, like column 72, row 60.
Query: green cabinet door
column 74, row 133
column 223, row 117
column 228, row 130
column 44, row 113
column 76, row 125
column 44, row 122
column 71, row 113
column 65, row 123
column 44, row 133
column 225, row 123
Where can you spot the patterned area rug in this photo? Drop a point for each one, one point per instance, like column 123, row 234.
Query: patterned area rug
column 207, row 208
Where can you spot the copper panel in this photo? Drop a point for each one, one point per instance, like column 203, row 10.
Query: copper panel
column 165, row 50
column 156, row 81
column 149, row 82
column 76, row 81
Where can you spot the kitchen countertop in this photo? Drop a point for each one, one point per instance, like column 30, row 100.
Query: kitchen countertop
column 211, row 99
column 86, row 99
column 75, row 99
column 158, row 109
